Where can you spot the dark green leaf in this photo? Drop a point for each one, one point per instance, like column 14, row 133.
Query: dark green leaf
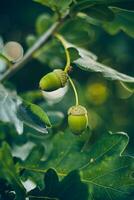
column 33, row 159
column 124, row 21
column 100, row 12
column 49, row 51
column 9, row 172
column 80, row 36
column 85, row 4
column 54, row 49
column 33, row 116
column 74, row 55
column 6, row 191
column 35, row 156
column 70, row 188
column 107, row 172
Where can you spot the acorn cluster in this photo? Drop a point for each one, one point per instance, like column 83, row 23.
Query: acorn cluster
column 77, row 115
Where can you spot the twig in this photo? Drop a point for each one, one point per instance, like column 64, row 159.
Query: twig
column 40, row 42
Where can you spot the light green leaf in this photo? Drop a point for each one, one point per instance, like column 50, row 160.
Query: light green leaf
column 30, row 40
column 124, row 21
column 88, row 62
column 43, row 22
column 9, row 172
column 108, row 173
column 33, row 116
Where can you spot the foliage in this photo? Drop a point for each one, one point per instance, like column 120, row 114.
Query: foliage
column 70, row 187
column 9, row 172
column 40, row 158
column 123, row 21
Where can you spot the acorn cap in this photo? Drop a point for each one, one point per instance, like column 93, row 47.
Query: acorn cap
column 77, row 110
column 62, row 75
column 13, row 51
column 53, row 80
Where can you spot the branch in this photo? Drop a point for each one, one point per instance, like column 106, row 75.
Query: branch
column 39, row 43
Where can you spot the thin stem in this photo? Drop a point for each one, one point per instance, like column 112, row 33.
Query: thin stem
column 5, row 59
column 75, row 91
column 63, row 41
column 39, row 43
column 126, row 87
column 45, row 198
column 40, row 170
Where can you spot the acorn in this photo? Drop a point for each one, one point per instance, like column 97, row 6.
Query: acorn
column 77, row 119
column 53, row 80
column 13, row 51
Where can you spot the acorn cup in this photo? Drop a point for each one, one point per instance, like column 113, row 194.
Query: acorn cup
column 53, row 80
column 13, row 51
column 77, row 119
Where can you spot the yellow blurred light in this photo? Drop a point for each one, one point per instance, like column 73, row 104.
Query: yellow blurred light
column 97, row 93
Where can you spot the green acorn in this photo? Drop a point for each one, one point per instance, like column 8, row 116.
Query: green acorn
column 77, row 119
column 53, row 80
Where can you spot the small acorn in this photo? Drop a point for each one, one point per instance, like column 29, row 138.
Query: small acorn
column 77, row 119
column 53, row 80
column 13, row 51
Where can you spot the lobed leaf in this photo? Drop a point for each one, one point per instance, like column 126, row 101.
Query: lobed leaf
column 124, row 21
column 70, row 187
column 108, row 173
